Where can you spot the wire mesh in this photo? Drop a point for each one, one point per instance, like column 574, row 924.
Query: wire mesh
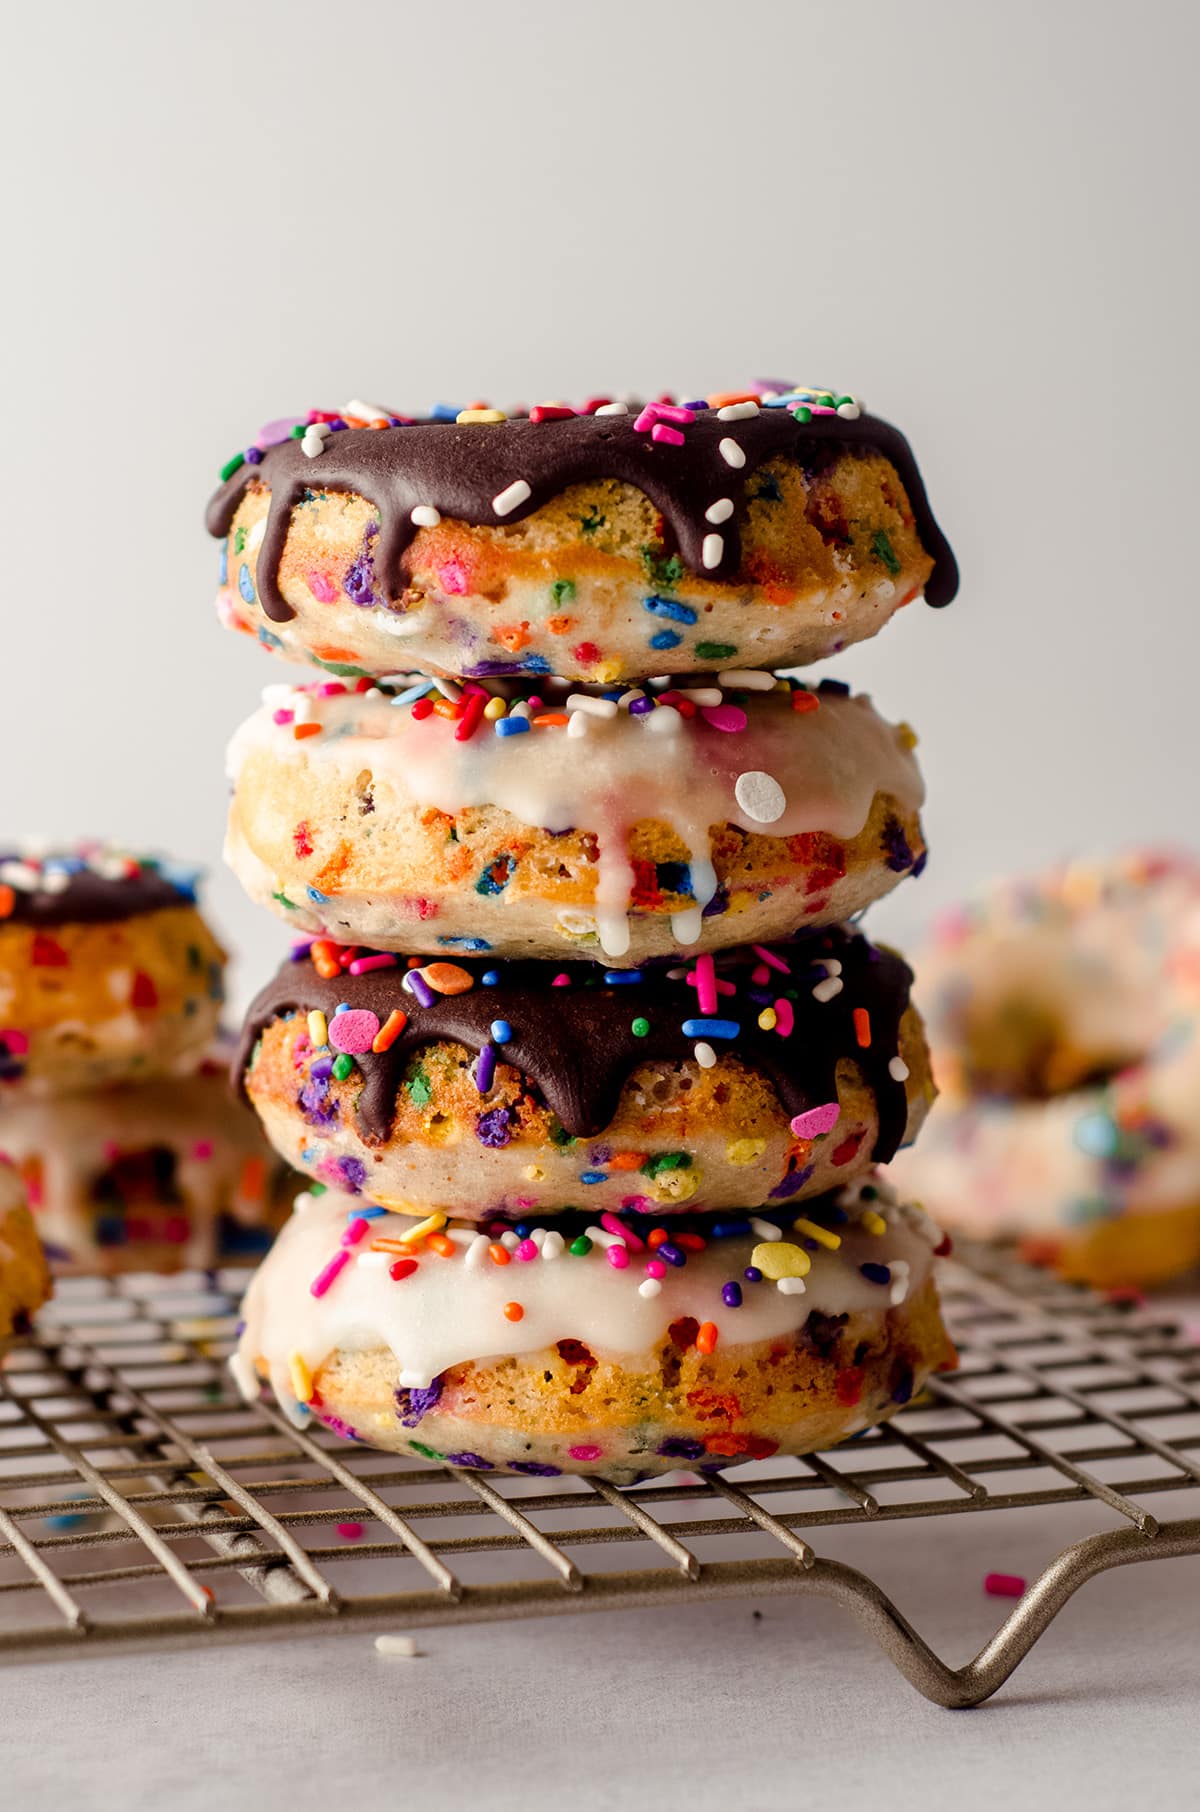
column 143, row 1504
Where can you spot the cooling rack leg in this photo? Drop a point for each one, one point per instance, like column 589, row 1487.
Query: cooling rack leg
column 960, row 1688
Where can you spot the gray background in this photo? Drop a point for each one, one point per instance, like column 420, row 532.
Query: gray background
column 980, row 216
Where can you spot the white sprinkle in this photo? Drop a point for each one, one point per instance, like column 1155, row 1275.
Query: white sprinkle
column 521, row 709
column 899, row 1289
column 311, row 448
column 662, row 718
column 511, row 498
column 319, row 428
column 20, row 875
column 765, row 1229
column 702, row 695
column 577, row 724
column 760, row 796
column 712, row 550
column 613, row 409
column 415, row 1380
column 790, row 1286
column 374, row 1261
column 462, row 1236
column 510, row 1241
column 408, row 624
column 398, row 1647
column 277, row 695
column 595, row 707
column 254, row 538
column 599, row 1237
column 898, row 1070
column 447, row 688
column 425, row 516
column 747, row 679
column 731, row 453
column 304, row 1200
column 849, row 412
column 720, row 511
column 826, row 990
column 830, row 964
column 554, row 1245
column 477, row 1253
column 737, row 412
column 651, row 1287
column 629, row 698
column 705, row 1055
column 365, row 412
column 686, row 926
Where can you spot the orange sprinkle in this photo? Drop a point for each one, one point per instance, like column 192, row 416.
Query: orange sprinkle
column 862, row 1027
column 513, row 1311
column 327, row 967
column 722, row 398
column 447, row 708
column 499, row 1254
column 627, row 1160
column 437, row 1242
column 448, row 978
column 691, row 1242
column 657, row 1237
column 551, row 717
column 805, row 701
column 390, row 1245
column 389, row 1031
column 253, row 1179
column 559, row 625
column 514, row 637
column 8, row 901
column 300, row 731
column 706, row 1337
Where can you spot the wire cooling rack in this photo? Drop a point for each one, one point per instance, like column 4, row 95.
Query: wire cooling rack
column 143, row 1504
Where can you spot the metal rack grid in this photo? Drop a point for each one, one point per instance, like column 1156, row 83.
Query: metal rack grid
column 194, row 1517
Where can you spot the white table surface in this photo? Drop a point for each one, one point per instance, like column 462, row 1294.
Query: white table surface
column 685, row 1709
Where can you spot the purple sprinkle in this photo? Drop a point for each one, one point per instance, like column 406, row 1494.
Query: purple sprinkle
column 494, row 669
column 899, row 856
column 717, row 905
column 343, row 1430
column 680, row 1447
column 315, row 1104
column 253, row 456
column 354, row 1174
column 731, row 1295
column 639, row 707
column 411, row 1405
column 473, row 1460
column 795, row 1179
column 493, row 1129
column 535, row 1469
column 321, row 1069
column 752, row 1274
column 672, row 1255
column 485, row 1069
column 359, row 583
column 415, row 982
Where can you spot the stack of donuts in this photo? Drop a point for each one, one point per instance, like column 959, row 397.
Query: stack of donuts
column 588, row 1069
column 114, row 1115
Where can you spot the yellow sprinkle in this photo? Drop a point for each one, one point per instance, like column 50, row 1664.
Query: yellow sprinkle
column 495, row 707
column 533, row 1173
column 431, row 1224
column 744, row 1151
column 302, row 1384
column 907, row 736
column 673, row 1185
column 822, row 1235
column 318, row 1030
column 481, row 415
column 779, row 1258
column 607, row 672
column 874, row 1223
column 768, row 1019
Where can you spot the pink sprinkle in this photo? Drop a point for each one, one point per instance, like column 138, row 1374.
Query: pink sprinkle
column 637, row 1204
column 816, row 1121
column 760, row 975
column 526, row 1250
column 705, row 983
column 611, row 1224
column 452, row 577
column 329, row 689
column 363, row 965
column 730, row 718
column 770, row 959
column 354, row 1031
column 561, row 981
column 284, row 717
column 351, row 1531
column 1004, row 1585
column 332, row 1270
column 670, row 436
column 785, row 1019
column 17, row 1042
column 203, row 1148
column 322, row 589
column 662, row 412
column 617, row 1257
column 355, row 1229
column 584, row 1453
column 655, row 1268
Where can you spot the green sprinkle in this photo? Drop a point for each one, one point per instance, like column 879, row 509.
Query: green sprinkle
column 665, row 570
column 419, row 1087
column 560, row 1136
column 884, row 551
column 640, row 1027
column 231, row 465
column 426, row 1453
column 802, row 415
column 343, row 1066
column 343, row 669
column 562, row 591
column 284, row 901
column 592, row 521
column 317, row 1188
column 298, row 432
column 666, row 1160
column 580, row 1247
column 715, row 651
column 239, row 541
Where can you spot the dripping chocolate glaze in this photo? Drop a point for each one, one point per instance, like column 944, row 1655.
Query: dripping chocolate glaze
column 460, row 470
column 94, row 899
column 576, row 1044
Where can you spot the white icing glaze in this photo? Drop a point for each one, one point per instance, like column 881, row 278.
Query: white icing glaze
column 831, row 763
column 451, row 1310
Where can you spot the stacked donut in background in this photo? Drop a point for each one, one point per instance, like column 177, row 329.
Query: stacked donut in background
column 113, row 1114
column 587, row 1068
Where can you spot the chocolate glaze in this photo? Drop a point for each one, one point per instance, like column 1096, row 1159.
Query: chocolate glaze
column 575, row 1044
column 459, row 470
column 94, row 899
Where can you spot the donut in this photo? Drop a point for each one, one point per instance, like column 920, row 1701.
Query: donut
column 24, row 1275
column 758, row 529
column 619, row 1353
column 622, row 825
column 107, row 971
column 1065, row 1024
column 483, row 1089
column 148, row 1176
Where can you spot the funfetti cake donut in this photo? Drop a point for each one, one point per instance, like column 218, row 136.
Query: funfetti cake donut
column 1065, row 1017
column 620, row 825
column 757, row 530
column 483, row 1089
column 24, row 1275
column 621, row 1352
column 148, row 1176
column 107, row 971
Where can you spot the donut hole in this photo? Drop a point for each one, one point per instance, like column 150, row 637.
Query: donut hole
column 1025, row 1049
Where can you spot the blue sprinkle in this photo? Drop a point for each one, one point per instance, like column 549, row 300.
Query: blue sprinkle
column 876, row 1273
column 413, row 693
column 224, row 562
column 535, row 663
column 268, row 638
column 246, row 583
column 667, row 607
column 343, row 1006
column 711, row 1028
column 314, row 893
column 673, row 1255
column 523, row 1229
column 731, row 1295
column 1096, row 1134
column 593, row 1176
column 366, row 1214
column 834, row 688
column 490, row 978
column 511, row 726
column 615, row 977
column 501, row 1031
column 464, row 943
column 443, row 412
column 666, row 638
column 729, row 1229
